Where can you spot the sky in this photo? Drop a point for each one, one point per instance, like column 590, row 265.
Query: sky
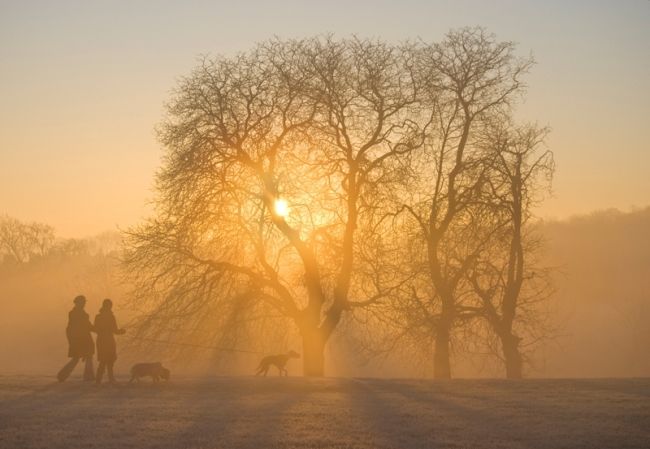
column 83, row 84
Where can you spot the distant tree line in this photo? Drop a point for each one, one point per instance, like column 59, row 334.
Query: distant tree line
column 24, row 242
column 315, row 179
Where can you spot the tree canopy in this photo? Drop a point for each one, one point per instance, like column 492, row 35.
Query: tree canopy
column 306, row 179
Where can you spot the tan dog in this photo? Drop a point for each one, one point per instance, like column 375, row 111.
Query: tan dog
column 155, row 370
column 279, row 361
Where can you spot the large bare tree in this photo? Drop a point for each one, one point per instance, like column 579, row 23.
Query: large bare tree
column 276, row 160
column 308, row 178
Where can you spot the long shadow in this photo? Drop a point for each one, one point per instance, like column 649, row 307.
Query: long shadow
column 246, row 413
column 449, row 416
column 318, row 417
column 68, row 392
column 54, row 415
column 412, row 416
column 384, row 420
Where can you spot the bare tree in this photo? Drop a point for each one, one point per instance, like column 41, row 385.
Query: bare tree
column 276, row 160
column 42, row 238
column 506, row 277
column 467, row 80
column 310, row 178
column 23, row 241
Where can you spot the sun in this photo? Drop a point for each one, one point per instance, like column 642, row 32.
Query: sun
column 281, row 207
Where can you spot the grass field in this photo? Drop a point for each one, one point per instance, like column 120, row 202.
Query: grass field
column 245, row 412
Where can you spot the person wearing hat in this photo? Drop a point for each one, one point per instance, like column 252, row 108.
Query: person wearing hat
column 80, row 341
column 106, row 329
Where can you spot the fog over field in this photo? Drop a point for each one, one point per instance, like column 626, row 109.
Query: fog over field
column 600, row 313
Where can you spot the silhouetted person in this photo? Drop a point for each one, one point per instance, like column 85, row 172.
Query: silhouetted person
column 80, row 342
column 106, row 329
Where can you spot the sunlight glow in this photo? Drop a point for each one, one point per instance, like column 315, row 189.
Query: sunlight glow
column 281, row 207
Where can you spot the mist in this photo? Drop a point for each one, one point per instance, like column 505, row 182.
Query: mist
column 602, row 299
column 600, row 313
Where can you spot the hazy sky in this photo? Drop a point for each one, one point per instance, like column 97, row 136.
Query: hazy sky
column 82, row 84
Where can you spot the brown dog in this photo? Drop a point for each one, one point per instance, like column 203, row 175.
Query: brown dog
column 155, row 370
column 279, row 361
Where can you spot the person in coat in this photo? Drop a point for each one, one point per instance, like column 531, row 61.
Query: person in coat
column 106, row 329
column 80, row 342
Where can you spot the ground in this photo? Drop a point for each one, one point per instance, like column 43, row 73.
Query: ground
column 246, row 412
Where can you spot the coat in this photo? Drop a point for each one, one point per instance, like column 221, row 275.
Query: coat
column 80, row 342
column 106, row 328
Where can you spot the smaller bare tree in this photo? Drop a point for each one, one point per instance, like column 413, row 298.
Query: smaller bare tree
column 506, row 277
column 465, row 81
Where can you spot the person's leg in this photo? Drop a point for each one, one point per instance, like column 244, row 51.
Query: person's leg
column 67, row 369
column 109, row 368
column 100, row 372
column 89, row 371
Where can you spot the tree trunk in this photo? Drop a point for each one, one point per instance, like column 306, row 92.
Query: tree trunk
column 313, row 348
column 441, row 363
column 512, row 356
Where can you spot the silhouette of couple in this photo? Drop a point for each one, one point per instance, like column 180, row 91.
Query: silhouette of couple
column 81, row 345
